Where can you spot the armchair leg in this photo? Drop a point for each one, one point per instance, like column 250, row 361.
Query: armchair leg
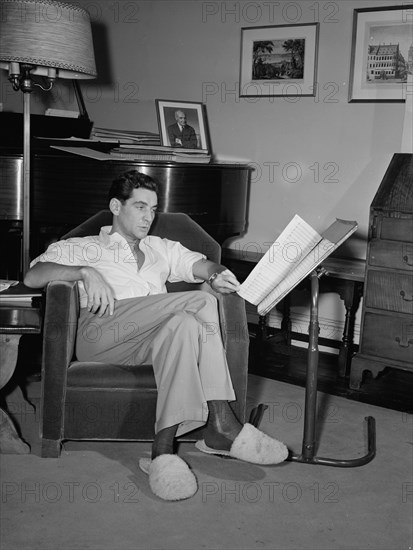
column 51, row 448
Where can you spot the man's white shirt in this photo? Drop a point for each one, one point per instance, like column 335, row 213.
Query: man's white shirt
column 111, row 255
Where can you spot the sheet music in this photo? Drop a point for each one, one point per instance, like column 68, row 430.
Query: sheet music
column 339, row 231
column 292, row 279
column 294, row 243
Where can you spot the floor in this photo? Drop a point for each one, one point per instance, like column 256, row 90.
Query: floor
column 94, row 496
column 391, row 389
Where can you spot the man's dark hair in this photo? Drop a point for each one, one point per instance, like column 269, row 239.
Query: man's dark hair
column 123, row 186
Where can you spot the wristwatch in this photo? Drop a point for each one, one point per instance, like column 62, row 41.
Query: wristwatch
column 212, row 278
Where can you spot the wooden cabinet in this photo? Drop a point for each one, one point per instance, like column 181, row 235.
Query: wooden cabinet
column 387, row 317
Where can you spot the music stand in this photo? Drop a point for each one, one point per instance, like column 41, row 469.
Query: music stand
column 307, row 455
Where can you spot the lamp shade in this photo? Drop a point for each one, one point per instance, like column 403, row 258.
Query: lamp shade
column 54, row 37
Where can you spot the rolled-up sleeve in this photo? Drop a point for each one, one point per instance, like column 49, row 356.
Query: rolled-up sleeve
column 66, row 252
column 181, row 260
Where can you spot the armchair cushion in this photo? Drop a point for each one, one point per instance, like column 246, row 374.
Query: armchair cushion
column 101, row 375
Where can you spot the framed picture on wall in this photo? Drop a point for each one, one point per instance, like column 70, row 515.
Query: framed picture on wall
column 183, row 124
column 382, row 51
column 279, row 60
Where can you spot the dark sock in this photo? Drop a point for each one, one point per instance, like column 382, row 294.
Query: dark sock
column 164, row 441
column 222, row 427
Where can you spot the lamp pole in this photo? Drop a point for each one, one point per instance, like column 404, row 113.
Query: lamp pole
column 26, row 87
column 20, row 78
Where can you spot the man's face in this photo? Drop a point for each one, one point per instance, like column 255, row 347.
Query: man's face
column 134, row 217
column 181, row 117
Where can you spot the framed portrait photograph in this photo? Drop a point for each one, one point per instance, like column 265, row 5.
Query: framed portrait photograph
column 183, row 124
column 382, row 49
column 279, row 60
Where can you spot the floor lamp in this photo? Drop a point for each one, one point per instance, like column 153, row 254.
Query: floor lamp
column 41, row 40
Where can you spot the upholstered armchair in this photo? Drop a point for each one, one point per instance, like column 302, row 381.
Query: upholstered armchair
column 97, row 401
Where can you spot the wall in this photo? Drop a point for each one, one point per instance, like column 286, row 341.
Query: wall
column 320, row 157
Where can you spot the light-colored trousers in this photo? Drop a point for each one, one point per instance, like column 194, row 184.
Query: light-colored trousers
column 179, row 334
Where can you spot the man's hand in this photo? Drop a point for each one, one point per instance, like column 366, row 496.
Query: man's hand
column 99, row 294
column 225, row 282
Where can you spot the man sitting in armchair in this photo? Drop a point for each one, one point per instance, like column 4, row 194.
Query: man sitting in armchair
column 123, row 281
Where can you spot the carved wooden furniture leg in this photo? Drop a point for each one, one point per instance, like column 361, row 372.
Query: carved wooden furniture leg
column 350, row 293
column 10, row 442
column 361, row 364
column 286, row 321
column 262, row 329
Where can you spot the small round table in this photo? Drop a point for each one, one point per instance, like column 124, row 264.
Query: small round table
column 16, row 319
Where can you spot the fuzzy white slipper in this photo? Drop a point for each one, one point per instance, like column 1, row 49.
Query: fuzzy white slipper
column 169, row 477
column 251, row 445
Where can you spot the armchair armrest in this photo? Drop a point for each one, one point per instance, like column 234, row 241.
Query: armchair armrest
column 235, row 337
column 59, row 336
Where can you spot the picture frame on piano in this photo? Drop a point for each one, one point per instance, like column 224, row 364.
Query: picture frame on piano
column 183, row 125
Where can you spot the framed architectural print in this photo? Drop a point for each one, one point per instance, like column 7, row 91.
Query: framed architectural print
column 183, row 124
column 382, row 52
column 279, row 60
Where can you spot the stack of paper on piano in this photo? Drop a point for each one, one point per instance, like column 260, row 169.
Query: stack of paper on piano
column 142, row 153
column 294, row 255
column 160, row 153
column 126, row 136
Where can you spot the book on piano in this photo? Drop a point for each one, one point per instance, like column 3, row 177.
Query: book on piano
column 127, row 136
column 167, row 149
column 155, row 154
column 295, row 254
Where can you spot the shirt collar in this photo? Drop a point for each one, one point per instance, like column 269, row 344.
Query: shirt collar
column 107, row 238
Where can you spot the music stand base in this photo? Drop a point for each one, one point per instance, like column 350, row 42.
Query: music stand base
column 309, row 458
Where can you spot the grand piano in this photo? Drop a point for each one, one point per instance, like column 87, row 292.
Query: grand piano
column 66, row 189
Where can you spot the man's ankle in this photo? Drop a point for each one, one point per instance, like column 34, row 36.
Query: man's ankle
column 164, row 442
column 223, row 420
column 217, row 440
